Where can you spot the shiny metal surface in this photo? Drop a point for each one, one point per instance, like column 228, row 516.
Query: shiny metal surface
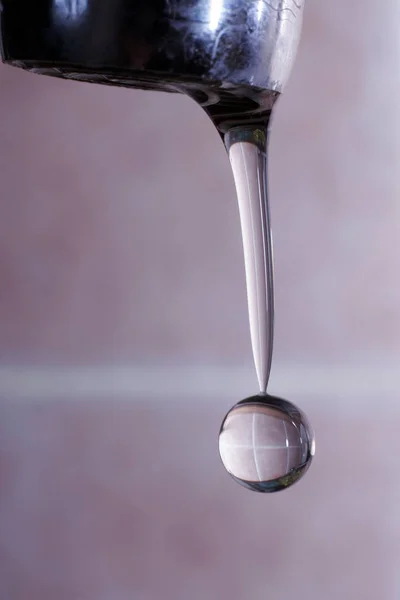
column 155, row 43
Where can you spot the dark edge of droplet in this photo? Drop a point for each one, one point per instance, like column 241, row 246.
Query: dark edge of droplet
column 275, row 401
column 276, row 485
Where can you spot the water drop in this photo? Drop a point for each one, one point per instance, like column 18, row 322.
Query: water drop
column 266, row 444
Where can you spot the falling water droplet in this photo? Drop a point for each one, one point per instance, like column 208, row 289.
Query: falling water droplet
column 266, row 444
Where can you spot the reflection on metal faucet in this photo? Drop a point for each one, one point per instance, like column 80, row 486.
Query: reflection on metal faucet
column 216, row 8
column 72, row 10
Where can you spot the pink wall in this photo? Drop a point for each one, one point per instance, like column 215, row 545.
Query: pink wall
column 120, row 245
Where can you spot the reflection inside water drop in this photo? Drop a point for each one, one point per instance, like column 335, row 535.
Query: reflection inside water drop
column 266, row 443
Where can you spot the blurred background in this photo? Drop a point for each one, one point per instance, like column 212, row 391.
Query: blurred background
column 124, row 333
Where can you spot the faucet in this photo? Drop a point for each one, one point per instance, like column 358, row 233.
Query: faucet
column 220, row 52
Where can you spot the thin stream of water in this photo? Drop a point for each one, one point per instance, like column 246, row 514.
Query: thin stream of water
column 247, row 150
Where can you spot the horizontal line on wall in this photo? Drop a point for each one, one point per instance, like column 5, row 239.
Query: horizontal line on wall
column 196, row 382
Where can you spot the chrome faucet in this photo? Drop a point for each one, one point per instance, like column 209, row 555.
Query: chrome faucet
column 212, row 50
